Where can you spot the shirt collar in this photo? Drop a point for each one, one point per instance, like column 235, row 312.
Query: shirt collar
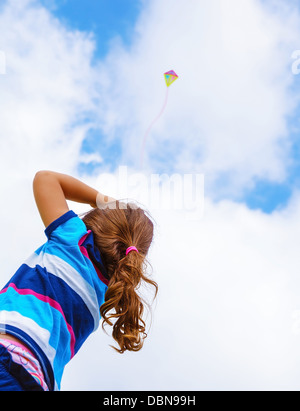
column 94, row 254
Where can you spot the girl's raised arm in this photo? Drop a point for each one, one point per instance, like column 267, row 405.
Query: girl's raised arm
column 51, row 190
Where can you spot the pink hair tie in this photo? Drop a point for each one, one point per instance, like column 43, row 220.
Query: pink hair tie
column 132, row 248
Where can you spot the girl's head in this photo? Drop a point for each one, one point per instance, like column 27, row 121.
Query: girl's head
column 115, row 229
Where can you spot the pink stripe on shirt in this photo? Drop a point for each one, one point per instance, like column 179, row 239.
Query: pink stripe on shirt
column 54, row 304
column 85, row 253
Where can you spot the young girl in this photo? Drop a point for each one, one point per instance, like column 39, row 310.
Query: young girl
column 88, row 268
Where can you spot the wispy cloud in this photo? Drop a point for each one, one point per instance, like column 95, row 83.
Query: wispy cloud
column 47, row 92
column 233, row 98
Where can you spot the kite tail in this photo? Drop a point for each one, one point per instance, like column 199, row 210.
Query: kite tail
column 150, row 127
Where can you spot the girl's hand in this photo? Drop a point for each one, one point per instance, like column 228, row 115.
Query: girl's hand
column 103, row 200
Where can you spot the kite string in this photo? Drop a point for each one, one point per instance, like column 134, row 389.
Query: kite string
column 151, row 125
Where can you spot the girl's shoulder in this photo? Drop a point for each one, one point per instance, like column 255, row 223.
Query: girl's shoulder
column 67, row 230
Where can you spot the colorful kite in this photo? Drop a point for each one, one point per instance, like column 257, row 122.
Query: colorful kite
column 170, row 77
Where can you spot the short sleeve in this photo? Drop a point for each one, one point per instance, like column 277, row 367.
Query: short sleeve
column 67, row 229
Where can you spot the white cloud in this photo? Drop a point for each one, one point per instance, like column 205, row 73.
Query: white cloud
column 229, row 287
column 233, row 94
column 46, row 92
column 227, row 310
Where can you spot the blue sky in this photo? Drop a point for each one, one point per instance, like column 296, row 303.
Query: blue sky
column 110, row 18
column 269, row 196
column 106, row 19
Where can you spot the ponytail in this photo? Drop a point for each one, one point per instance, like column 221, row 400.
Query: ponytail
column 115, row 230
column 122, row 297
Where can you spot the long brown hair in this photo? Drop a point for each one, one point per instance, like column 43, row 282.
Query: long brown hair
column 115, row 229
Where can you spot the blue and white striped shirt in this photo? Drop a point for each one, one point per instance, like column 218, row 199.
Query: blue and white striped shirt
column 52, row 303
